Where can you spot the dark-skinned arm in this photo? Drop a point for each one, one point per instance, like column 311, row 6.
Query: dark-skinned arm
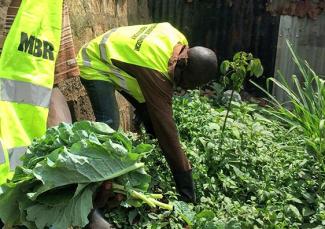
column 157, row 91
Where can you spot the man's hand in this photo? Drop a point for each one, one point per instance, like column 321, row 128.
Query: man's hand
column 105, row 196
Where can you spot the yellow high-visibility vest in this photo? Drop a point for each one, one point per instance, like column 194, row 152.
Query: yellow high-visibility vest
column 149, row 46
column 27, row 67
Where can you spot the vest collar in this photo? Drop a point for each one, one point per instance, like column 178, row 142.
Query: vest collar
column 180, row 54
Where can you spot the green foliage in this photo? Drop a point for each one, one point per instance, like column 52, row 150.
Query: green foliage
column 242, row 64
column 62, row 170
column 262, row 177
column 306, row 105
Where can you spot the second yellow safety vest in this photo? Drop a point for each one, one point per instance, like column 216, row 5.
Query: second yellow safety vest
column 149, row 46
column 26, row 77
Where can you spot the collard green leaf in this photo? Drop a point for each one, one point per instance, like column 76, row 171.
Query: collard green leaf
column 10, row 213
column 57, row 196
column 93, row 127
column 137, row 179
column 61, row 171
column 73, row 213
column 86, row 162
column 122, row 139
column 10, row 195
column 116, row 148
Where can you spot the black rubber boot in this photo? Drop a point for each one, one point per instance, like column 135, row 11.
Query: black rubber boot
column 1, row 224
column 185, row 186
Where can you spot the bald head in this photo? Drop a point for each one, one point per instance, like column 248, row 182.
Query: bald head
column 202, row 67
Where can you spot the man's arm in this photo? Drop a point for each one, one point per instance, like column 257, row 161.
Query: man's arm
column 158, row 91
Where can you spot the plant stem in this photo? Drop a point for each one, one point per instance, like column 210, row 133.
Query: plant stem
column 149, row 199
column 142, row 197
column 224, row 123
column 119, row 187
column 162, row 205
column 156, row 196
column 320, row 142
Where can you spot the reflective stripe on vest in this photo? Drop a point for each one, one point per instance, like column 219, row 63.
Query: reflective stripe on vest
column 85, row 57
column 103, row 56
column 15, row 155
column 149, row 46
column 111, row 69
column 102, row 46
column 122, row 81
column 22, row 92
column 27, row 66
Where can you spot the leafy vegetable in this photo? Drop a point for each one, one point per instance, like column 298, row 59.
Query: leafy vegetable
column 62, row 170
column 262, row 177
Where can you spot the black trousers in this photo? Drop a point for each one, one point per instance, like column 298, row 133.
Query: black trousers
column 104, row 104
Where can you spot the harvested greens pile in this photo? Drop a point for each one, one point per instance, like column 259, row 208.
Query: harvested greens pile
column 62, row 170
column 261, row 177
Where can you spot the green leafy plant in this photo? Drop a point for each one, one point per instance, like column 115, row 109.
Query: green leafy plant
column 305, row 108
column 261, row 178
column 62, row 170
column 234, row 73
